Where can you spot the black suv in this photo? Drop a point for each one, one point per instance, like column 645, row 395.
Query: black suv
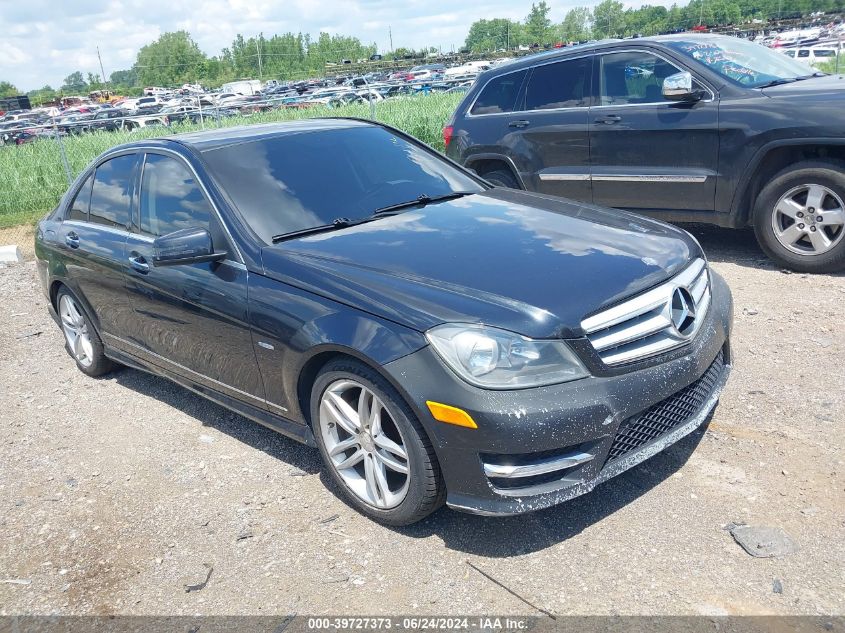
column 690, row 128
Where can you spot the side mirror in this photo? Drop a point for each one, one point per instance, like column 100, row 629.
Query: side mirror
column 188, row 246
column 678, row 87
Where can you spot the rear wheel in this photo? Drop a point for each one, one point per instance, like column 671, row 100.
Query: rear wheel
column 81, row 339
column 373, row 446
column 501, row 178
column 799, row 217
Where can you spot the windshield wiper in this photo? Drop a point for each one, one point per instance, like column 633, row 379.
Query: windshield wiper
column 423, row 200
column 337, row 223
column 778, row 82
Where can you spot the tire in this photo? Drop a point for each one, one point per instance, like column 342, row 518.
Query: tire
column 89, row 358
column 407, row 498
column 501, row 178
column 782, row 216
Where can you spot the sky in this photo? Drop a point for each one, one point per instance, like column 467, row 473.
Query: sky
column 46, row 40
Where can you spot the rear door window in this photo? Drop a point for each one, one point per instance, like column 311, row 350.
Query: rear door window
column 78, row 209
column 564, row 84
column 111, row 195
column 499, row 95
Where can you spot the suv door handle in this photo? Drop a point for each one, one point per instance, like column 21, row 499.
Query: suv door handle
column 609, row 119
column 519, row 124
column 139, row 263
column 72, row 240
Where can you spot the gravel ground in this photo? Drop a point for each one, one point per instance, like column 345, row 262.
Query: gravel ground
column 117, row 493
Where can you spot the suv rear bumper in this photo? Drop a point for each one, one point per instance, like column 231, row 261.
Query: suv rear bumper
column 535, row 448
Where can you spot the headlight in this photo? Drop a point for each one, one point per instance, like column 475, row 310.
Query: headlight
column 496, row 359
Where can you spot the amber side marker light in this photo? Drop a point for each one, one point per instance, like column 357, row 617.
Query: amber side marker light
column 451, row 415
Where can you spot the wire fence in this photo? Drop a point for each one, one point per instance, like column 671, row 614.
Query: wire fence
column 35, row 174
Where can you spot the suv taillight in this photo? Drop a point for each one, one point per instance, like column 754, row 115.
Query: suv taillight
column 447, row 134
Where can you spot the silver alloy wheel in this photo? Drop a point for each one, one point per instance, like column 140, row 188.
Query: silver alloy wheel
column 364, row 444
column 809, row 219
column 76, row 331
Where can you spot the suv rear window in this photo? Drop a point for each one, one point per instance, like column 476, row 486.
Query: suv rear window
column 499, row 95
column 560, row 85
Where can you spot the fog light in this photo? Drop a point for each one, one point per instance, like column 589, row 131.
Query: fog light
column 451, row 415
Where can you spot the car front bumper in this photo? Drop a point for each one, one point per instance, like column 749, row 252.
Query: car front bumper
column 535, row 448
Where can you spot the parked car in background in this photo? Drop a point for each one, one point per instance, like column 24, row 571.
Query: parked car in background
column 812, row 55
column 688, row 128
column 272, row 270
column 470, row 69
column 243, row 87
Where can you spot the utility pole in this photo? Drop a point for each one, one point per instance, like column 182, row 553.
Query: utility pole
column 390, row 34
column 258, row 49
column 103, row 72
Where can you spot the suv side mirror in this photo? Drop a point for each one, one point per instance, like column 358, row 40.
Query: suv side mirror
column 678, row 87
column 187, row 246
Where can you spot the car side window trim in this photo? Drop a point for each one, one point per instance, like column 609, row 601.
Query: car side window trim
column 521, row 98
column 92, row 173
column 99, row 227
column 593, row 97
column 136, row 216
column 681, row 67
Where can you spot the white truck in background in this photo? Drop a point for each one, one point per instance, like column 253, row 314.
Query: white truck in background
column 244, row 87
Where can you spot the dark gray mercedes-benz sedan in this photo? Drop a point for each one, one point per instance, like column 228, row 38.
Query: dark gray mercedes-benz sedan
column 436, row 338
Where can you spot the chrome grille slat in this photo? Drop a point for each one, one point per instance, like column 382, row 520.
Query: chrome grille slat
column 624, row 333
column 642, row 325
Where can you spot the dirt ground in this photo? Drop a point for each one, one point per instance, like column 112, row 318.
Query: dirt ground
column 20, row 236
column 116, row 493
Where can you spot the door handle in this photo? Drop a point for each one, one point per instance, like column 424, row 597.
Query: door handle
column 609, row 119
column 139, row 263
column 519, row 124
column 72, row 240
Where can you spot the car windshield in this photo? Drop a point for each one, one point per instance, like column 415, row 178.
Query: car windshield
column 310, row 178
column 742, row 62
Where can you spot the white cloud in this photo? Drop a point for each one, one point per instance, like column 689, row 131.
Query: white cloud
column 45, row 40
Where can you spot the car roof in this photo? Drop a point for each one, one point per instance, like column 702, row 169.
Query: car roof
column 208, row 140
column 532, row 60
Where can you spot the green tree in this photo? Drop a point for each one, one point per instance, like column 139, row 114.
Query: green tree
column 609, row 19
column 538, row 25
column 94, row 82
column 491, row 35
column 42, row 95
column 8, row 90
column 173, row 59
column 576, row 25
column 124, row 78
column 647, row 20
column 74, row 83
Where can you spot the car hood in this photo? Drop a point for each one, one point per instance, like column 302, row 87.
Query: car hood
column 829, row 85
column 523, row 262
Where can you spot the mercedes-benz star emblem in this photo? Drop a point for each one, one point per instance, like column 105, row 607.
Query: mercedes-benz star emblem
column 683, row 311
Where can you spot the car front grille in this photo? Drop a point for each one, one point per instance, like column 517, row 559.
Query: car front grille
column 667, row 414
column 659, row 320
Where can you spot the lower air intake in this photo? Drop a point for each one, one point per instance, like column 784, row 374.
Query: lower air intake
column 639, row 430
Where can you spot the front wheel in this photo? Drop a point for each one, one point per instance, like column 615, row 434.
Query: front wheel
column 799, row 217
column 373, row 446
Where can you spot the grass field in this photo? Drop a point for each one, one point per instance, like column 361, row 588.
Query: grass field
column 32, row 177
